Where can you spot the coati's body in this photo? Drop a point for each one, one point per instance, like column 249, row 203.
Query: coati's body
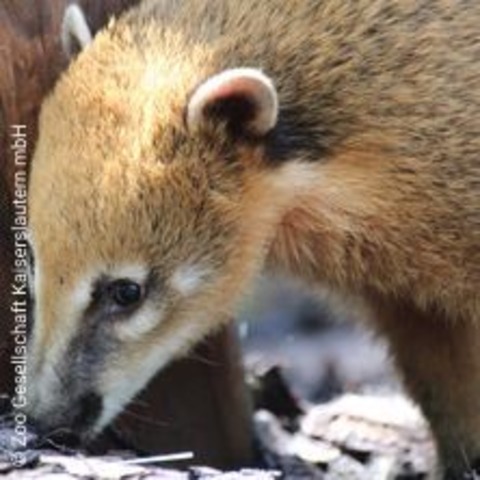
column 366, row 179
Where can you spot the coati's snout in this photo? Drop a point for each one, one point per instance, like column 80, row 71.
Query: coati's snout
column 71, row 422
column 98, row 339
column 143, row 242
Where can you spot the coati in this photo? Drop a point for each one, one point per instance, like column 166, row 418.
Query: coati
column 193, row 144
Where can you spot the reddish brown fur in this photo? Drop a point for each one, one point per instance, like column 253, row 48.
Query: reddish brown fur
column 389, row 93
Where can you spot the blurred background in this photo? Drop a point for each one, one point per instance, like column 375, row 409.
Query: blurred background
column 322, row 350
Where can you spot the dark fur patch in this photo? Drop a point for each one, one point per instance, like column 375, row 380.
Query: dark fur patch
column 87, row 355
column 89, row 409
column 237, row 111
column 77, row 374
column 297, row 136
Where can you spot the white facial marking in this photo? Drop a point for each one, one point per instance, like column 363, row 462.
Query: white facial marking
column 139, row 324
column 296, row 177
column 43, row 390
column 187, row 279
column 118, row 387
column 81, row 294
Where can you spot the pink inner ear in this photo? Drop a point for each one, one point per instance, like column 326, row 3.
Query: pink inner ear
column 251, row 84
column 235, row 87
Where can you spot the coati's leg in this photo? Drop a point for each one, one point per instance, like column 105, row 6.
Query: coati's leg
column 440, row 362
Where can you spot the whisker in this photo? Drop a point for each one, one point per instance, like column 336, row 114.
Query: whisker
column 139, row 402
column 202, row 359
column 48, row 440
column 146, row 419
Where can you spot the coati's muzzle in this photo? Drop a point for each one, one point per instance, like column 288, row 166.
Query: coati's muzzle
column 75, row 417
column 62, row 395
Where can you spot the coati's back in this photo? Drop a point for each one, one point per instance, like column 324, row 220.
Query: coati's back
column 336, row 140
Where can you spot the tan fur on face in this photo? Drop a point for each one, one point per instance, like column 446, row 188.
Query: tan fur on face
column 368, row 183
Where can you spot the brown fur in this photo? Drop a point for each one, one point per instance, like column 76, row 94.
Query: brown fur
column 379, row 130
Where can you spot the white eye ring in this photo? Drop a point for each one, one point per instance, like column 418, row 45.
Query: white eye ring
column 187, row 278
column 139, row 323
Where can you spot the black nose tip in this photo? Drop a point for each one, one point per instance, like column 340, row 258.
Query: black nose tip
column 89, row 409
column 71, row 425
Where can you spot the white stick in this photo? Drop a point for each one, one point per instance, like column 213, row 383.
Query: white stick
column 172, row 457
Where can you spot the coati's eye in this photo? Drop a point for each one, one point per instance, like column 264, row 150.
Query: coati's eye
column 113, row 297
column 125, row 293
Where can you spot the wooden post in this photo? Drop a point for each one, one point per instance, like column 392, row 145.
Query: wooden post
column 198, row 404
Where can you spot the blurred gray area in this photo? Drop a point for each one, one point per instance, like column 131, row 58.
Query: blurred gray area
column 321, row 352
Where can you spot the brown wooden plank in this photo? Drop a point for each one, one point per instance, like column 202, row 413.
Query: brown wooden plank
column 198, row 404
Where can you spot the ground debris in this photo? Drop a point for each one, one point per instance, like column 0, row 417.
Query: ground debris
column 357, row 437
column 56, row 466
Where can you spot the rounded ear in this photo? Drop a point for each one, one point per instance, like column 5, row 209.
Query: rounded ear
column 244, row 98
column 75, row 32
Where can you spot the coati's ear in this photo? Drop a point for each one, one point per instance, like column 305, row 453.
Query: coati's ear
column 244, row 98
column 75, row 32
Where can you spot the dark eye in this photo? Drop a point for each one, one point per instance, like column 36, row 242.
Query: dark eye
column 126, row 293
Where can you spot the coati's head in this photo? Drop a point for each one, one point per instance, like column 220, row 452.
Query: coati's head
column 151, row 206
